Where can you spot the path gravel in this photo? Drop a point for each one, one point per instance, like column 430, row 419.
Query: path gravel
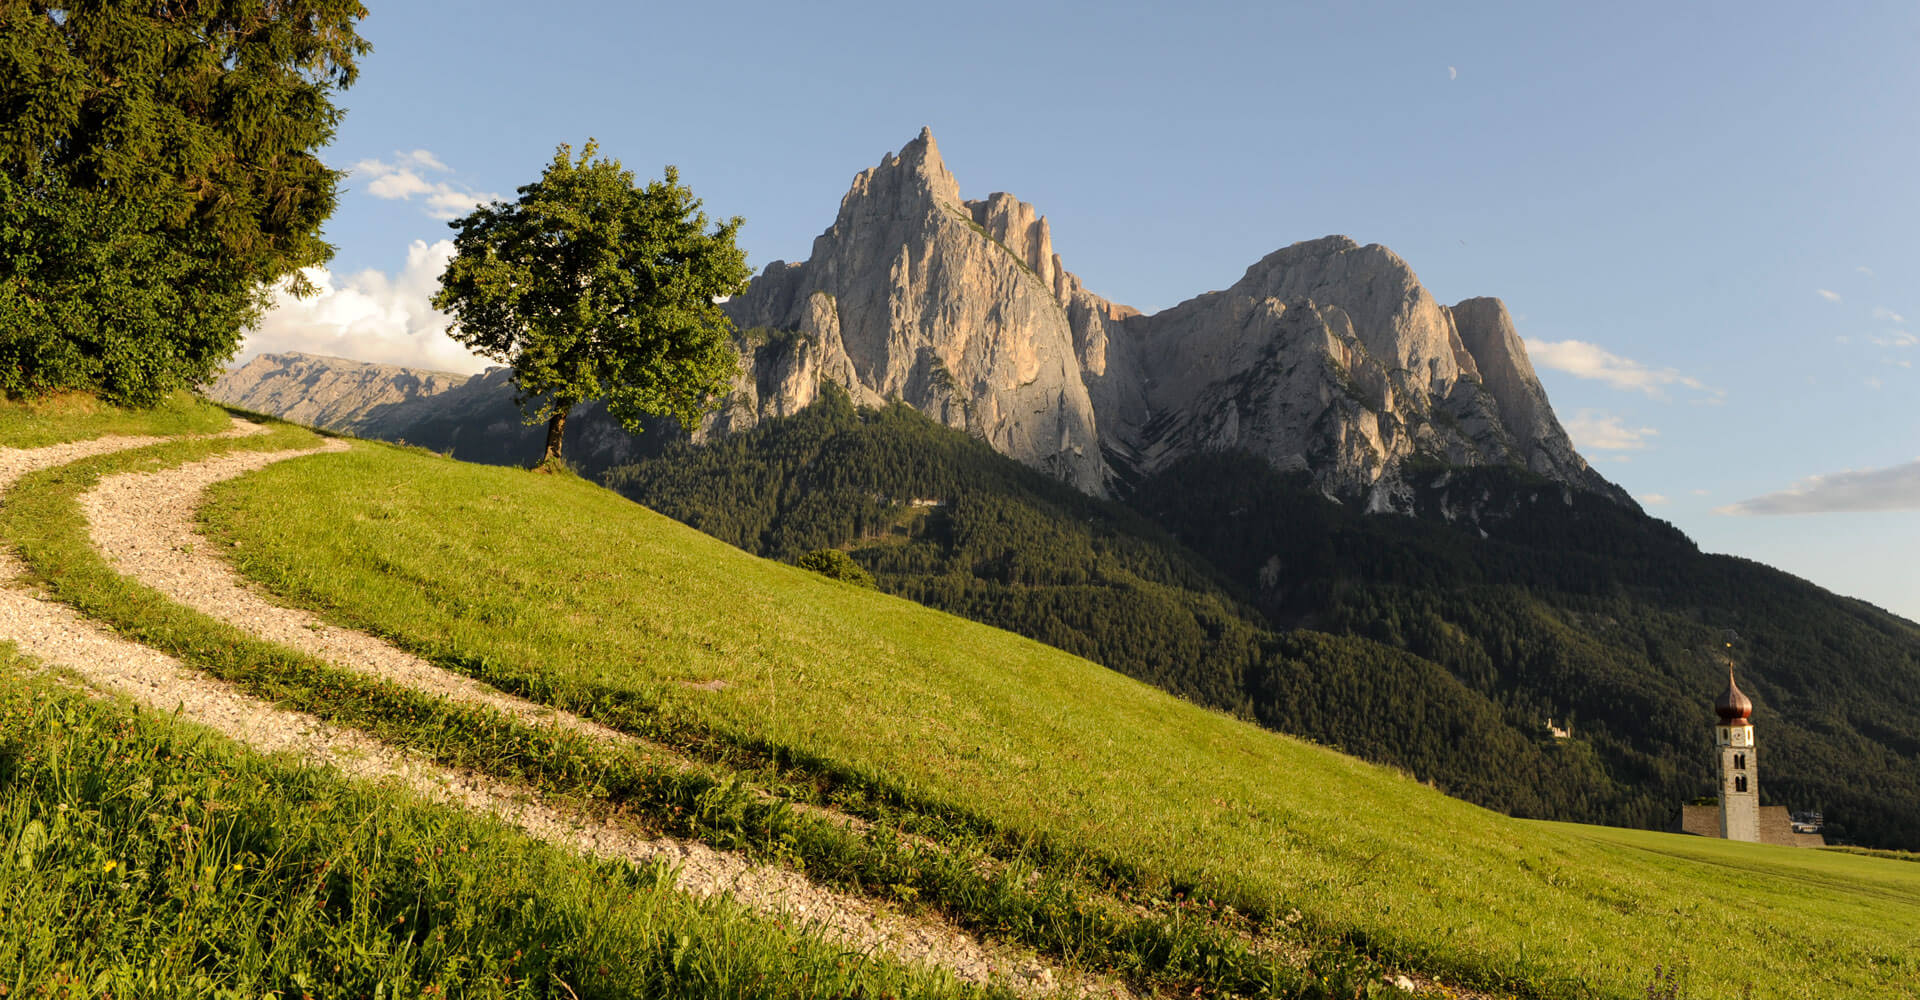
column 144, row 522
column 147, row 525
column 55, row 633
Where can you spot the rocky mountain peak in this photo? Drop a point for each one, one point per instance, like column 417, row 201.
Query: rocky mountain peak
column 1327, row 356
column 1393, row 316
column 903, row 186
column 334, row 393
column 1487, row 332
column 957, row 309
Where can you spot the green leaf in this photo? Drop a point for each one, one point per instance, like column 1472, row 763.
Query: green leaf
column 33, row 840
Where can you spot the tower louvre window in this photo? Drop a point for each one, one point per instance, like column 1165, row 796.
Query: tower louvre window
column 1739, row 762
column 1740, row 783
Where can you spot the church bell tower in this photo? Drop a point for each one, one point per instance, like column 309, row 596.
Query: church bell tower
column 1739, row 765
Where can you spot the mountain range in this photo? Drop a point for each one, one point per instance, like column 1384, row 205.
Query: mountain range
column 1325, row 357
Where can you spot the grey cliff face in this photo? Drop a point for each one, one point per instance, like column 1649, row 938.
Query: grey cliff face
column 1330, row 357
column 949, row 306
column 1327, row 356
column 1540, row 443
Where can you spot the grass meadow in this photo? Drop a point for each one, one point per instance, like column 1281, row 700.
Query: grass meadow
column 547, row 583
column 141, row 855
column 972, row 880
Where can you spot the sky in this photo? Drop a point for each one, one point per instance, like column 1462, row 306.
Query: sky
column 1705, row 218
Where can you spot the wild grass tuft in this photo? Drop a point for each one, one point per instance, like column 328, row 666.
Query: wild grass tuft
column 140, row 856
column 75, row 416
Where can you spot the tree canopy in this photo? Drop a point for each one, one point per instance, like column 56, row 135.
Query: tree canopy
column 157, row 175
column 593, row 287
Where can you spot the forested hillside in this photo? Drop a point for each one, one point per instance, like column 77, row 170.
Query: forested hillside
column 1410, row 640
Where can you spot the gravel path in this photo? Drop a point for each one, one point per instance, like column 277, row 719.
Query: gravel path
column 55, row 633
column 144, row 522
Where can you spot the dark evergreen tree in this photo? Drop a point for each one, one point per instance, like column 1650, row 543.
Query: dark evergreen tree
column 157, row 176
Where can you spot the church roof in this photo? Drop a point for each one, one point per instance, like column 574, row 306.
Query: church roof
column 1734, row 707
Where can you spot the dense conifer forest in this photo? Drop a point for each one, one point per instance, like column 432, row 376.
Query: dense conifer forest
column 1440, row 642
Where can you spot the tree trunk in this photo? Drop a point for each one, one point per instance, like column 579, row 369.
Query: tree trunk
column 556, row 429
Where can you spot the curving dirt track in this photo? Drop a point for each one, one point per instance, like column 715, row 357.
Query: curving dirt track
column 144, row 522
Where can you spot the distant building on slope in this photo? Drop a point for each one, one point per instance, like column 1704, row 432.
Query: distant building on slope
column 1738, row 815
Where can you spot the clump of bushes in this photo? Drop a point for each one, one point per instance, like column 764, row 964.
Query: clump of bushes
column 836, row 565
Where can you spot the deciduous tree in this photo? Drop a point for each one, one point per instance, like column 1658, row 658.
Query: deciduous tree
column 593, row 287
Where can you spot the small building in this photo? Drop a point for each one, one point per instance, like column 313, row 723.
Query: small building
column 1737, row 814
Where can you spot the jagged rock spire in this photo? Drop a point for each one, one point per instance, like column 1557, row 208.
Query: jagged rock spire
column 907, row 296
column 902, row 186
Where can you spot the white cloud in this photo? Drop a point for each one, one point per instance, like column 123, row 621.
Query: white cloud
column 1605, row 432
column 1452, row 73
column 1853, row 491
column 1843, row 339
column 1882, row 312
column 1701, row 493
column 1829, row 296
column 1872, row 382
column 1898, row 338
column 1863, row 269
column 395, row 185
column 1653, row 499
column 401, row 180
column 447, row 204
column 1584, row 360
column 426, row 160
column 369, row 316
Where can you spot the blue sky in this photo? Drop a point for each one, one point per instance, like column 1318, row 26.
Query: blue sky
column 1705, row 220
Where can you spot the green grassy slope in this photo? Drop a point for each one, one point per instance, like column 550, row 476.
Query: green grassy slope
column 735, row 799
column 72, row 417
column 552, row 578
column 1011, row 547
column 1440, row 642
column 144, row 856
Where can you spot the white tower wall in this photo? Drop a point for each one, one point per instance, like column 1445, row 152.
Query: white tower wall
column 1739, row 783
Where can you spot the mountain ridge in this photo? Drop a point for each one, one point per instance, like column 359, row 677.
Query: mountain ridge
column 336, row 393
column 1325, row 356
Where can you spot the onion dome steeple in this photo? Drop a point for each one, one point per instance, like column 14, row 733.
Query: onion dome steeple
column 1734, row 708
